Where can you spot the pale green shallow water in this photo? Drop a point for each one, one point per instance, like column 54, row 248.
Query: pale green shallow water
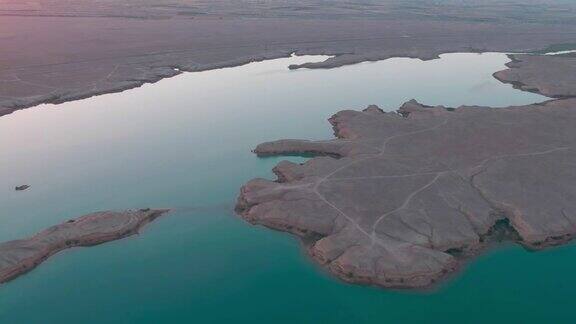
column 185, row 143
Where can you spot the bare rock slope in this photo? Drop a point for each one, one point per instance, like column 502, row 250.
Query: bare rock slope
column 411, row 194
column 20, row 256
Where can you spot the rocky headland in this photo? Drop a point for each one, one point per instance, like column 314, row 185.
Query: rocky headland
column 20, row 256
column 401, row 199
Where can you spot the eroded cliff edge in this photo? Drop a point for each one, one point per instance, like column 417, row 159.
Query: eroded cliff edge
column 20, row 256
column 401, row 199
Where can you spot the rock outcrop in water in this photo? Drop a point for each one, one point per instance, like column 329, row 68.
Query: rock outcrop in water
column 411, row 194
column 20, row 256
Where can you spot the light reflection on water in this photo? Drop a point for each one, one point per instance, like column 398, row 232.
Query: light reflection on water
column 185, row 143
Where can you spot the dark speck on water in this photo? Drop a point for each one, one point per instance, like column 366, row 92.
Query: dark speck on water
column 22, row 187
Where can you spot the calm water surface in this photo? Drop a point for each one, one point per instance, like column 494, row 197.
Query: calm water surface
column 185, row 143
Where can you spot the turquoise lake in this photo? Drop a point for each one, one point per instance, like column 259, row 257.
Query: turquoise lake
column 184, row 143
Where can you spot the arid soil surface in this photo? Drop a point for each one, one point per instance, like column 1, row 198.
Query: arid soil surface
column 552, row 76
column 20, row 256
column 400, row 199
column 60, row 50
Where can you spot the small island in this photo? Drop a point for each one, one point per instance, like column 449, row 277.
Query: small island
column 20, row 256
column 401, row 199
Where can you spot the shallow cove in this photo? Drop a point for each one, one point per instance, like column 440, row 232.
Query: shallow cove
column 185, row 143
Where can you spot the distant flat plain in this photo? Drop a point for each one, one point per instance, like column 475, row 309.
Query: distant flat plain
column 59, row 50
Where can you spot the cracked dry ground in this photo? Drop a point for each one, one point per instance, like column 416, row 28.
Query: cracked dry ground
column 400, row 199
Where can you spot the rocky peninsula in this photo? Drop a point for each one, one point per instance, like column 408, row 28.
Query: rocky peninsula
column 401, row 199
column 551, row 75
column 20, row 256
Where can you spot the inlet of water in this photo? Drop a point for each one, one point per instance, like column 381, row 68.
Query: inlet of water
column 185, row 143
